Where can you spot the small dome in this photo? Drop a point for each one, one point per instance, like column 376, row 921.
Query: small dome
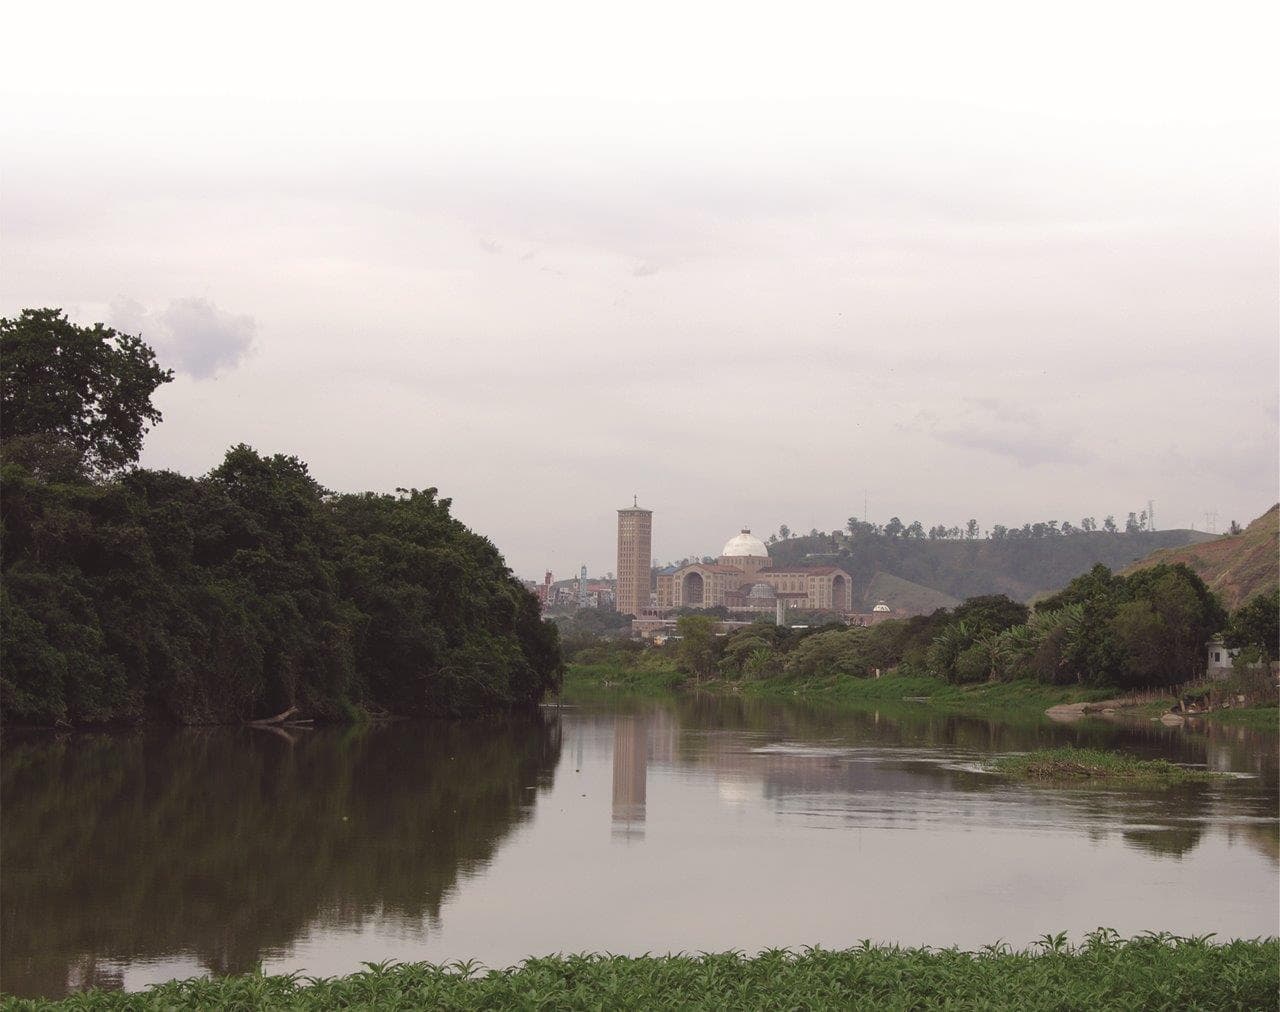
column 745, row 544
column 761, row 592
column 881, row 607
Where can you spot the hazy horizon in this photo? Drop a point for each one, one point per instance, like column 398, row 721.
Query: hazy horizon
column 958, row 263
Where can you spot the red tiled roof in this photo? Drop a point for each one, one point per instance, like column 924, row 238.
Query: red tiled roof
column 806, row 571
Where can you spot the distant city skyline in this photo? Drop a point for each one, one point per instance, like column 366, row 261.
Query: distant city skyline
column 995, row 263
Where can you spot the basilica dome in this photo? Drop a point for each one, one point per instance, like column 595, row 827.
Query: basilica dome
column 745, row 545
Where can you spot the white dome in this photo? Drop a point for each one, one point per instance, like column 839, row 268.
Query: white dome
column 745, row 544
column 881, row 606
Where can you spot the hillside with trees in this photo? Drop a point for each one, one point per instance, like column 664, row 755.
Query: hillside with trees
column 131, row 594
column 1021, row 563
column 1237, row 566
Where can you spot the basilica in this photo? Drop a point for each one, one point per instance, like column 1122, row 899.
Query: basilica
column 743, row 578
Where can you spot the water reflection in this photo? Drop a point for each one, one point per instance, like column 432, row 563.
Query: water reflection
column 228, row 844
column 630, row 774
column 217, row 849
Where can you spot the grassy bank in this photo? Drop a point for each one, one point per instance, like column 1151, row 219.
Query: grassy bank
column 1081, row 765
column 1016, row 700
column 599, row 680
column 987, row 698
column 1257, row 718
column 1023, row 698
column 1151, row 972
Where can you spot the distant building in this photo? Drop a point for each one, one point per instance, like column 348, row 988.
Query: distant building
column 635, row 545
column 880, row 613
column 1220, row 660
column 743, row 579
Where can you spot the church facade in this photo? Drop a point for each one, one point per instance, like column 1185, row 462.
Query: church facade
column 743, row 579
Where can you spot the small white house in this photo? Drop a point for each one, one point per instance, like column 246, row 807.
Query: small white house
column 1220, row 658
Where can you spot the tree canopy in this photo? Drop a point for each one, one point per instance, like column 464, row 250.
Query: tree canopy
column 87, row 389
column 149, row 594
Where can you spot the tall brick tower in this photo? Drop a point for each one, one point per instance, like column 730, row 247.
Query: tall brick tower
column 635, row 545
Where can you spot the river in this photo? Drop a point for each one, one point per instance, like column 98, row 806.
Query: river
column 701, row 823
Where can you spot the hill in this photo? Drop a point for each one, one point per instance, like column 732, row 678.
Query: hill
column 1236, row 566
column 1021, row 568
column 903, row 595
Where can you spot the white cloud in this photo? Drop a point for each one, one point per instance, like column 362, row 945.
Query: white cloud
column 192, row 335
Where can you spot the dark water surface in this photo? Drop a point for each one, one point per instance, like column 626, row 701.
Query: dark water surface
column 702, row 824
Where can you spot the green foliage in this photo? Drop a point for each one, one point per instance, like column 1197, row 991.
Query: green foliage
column 1147, row 629
column 1154, row 971
column 697, row 650
column 1259, row 718
column 74, row 397
column 252, row 589
column 584, row 680
column 1022, row 699
column 1082, row 764
column 1255, row 627
column 234, row 595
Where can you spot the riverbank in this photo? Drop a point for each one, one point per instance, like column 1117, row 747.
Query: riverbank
column 1151, row 972
column 591, row 681
column 1018, row 699
column 983, row 699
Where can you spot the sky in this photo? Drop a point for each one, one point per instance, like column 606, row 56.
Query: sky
column 753, row 264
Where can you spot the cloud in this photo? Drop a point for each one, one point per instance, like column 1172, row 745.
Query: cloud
column 644, row 270
column 191, row 335
column 995, row 426
column 1025, row 448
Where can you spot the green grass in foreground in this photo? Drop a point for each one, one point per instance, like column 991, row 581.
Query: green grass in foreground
column 1058, row 765
column 1149, row 972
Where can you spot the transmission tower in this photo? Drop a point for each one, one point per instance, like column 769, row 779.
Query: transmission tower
column 1211, row 519
column 1151, row 514
column 582, row 588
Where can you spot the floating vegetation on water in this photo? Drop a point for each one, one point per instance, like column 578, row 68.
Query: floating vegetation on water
column 1153, row 971
column 1074, row 765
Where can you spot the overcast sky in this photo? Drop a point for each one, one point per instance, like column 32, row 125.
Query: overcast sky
column 752, row 263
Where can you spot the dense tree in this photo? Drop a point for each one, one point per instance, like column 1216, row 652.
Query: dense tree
column 990, row 613
column 84, row 391
column 235, row 595
column 1255, row 628
column 697, row 649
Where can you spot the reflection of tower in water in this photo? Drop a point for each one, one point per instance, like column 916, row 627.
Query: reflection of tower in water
column 630, row 768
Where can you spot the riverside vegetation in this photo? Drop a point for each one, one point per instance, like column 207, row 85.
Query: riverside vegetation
column 131, row 594
column 1156, row 971
column 1066, row 765
column 1102, row 635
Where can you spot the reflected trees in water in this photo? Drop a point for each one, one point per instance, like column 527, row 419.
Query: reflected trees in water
column 227, row 844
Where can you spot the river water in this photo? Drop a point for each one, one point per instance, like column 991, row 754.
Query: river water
column 696, row 824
